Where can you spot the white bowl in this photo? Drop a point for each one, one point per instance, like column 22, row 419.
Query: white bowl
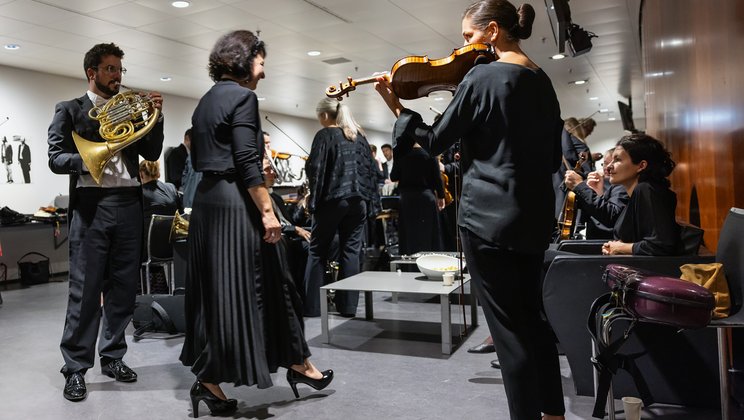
column 435, row 265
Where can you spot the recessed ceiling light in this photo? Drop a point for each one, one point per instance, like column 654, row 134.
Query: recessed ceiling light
column 593, row 98
column 180, row 4
column 603, row 110
column 261, row 98
column 558, row 57
column 313, row 53
column 12, row 47
column 578, row 82
column 438, row 98
column 611, row 119
column 166, row 79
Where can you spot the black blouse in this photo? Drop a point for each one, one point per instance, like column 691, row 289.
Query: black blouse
column 338, row 168
column 648, row 221
column 227, row 134
column 418, row 171
column 508, row 118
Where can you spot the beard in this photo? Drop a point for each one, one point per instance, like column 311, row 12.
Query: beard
column 106, row 89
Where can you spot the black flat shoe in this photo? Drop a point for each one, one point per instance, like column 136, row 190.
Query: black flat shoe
column 294, row 378
column 495, row 364
column 118, row 370
column 75, row 387
column 482, row 348
column 217, row 406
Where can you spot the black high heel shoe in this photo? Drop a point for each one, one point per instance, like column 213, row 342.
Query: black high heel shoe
column 217, row 406
column 294, row 378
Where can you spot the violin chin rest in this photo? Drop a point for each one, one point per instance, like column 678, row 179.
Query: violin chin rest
column 482, row 59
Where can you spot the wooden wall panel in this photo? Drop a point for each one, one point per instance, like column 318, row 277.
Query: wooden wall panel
column 694, row 73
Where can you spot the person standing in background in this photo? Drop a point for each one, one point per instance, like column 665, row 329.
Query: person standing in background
column 24, row 159
column 190, row 178
column 340, row 171
column 175, row 161
column 105, row 226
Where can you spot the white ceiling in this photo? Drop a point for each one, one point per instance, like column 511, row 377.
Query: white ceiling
column 160, row 40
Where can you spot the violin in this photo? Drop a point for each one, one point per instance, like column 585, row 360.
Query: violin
column 568, row 215
column 416, row 76
column 281, row 155
column 448, row 199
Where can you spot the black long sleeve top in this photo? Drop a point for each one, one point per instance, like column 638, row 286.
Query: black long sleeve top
column 338, row 168
column 648, row 221
column 226, row 135
column 418, row 171
column 508, row 118
column 605, row 208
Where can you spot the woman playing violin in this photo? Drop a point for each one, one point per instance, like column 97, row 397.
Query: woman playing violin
column 507, row 115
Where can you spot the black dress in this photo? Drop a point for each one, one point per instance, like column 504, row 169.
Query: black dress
column 240, row 303
column 418, row 179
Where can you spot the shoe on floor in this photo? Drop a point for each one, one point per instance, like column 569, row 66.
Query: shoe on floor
column 75, row 389
column 119, row 370
column 495, row 364
column 482, row 348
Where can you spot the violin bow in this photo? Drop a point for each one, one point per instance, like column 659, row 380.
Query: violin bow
column 286, row 135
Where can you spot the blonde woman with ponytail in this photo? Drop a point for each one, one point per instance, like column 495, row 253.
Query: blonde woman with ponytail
column 340, row 174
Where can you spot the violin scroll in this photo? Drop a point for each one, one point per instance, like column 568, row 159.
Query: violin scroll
column 350, row 85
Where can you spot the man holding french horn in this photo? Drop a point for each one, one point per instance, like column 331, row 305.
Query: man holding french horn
column 92, row 139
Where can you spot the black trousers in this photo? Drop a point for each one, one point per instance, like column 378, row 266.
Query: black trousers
column 105, row 247
column 346, row 217
column 507, row 285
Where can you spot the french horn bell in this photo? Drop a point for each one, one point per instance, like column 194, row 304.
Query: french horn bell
column 125, row 118
column 179, row 228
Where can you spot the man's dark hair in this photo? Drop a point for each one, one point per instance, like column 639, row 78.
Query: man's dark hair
column 386, row 146
column 95, row 55
column 188, row 133
column 233, row 54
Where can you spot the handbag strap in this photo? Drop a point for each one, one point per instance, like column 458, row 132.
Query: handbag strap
column 608, row 361
column 32, row 253
column 160, row 312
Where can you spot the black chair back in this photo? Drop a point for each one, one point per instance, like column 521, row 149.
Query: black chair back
column 159, row 247
column 730, row 253
column 692, row 238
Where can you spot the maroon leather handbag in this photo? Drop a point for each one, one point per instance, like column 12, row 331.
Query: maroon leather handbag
column 664, row 300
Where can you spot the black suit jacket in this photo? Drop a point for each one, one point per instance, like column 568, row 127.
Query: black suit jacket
column 175, row 162
column 64, row 157
column 24, row 153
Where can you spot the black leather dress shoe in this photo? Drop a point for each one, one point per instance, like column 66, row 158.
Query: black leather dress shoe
column 482, row 348
column 119, row 370
column 495, row 364
column 75, row 387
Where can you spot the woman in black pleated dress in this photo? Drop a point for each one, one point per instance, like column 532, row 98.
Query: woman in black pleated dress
column 240, row 305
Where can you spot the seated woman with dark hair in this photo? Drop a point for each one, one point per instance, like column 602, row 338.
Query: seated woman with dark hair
column 647, row 226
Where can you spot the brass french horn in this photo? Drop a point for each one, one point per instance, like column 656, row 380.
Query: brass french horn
column 179, row 228
column 125, row 118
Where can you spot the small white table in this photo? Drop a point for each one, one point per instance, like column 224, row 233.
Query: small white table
column 385, row 281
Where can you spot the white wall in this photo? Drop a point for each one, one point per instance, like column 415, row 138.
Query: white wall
column 29, row 97
column 606, row 135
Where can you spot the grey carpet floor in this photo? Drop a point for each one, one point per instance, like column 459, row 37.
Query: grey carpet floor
column 389, row 368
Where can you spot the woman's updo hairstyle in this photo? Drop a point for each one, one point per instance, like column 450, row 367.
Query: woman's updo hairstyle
column 233, row 55
column 641, row 146
column 150, row 168
column 516, row 22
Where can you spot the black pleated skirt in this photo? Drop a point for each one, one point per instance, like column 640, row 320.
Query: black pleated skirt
column 242, row 306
